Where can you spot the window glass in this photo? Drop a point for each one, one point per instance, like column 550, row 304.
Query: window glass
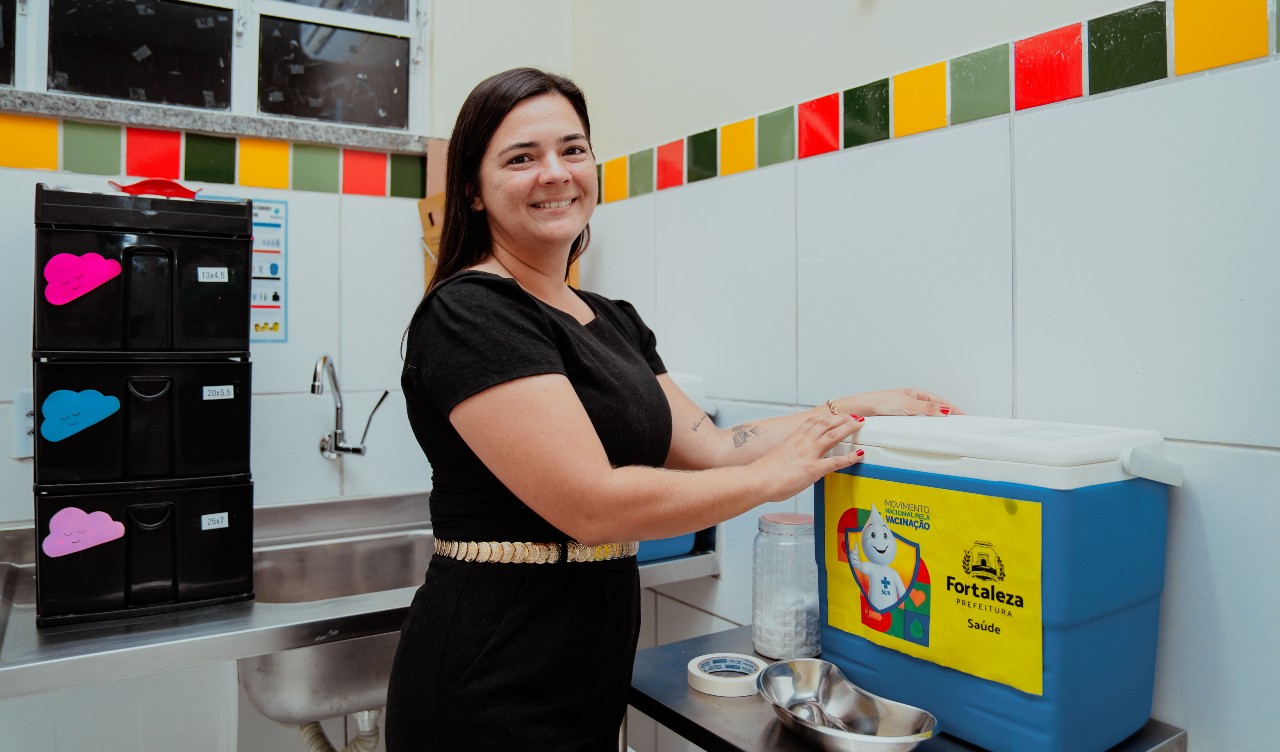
column 160, row 51
column 397, row 9
column 8, row 17
column 329, row 73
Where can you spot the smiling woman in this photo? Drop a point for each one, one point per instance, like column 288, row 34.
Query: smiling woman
column 556, row 440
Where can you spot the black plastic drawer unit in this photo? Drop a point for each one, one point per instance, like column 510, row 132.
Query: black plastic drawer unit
column 143, row 393
column 119, row 272
column 133, row 552
column 101, row 421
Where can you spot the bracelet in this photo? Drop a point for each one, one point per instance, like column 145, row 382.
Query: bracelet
column 832, row 407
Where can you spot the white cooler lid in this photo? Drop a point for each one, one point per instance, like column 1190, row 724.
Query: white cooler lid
column 1133, row 452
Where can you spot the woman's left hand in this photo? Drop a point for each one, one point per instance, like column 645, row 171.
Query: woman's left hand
column 899, row 402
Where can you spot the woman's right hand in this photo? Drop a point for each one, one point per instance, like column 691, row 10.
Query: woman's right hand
column 801, row 459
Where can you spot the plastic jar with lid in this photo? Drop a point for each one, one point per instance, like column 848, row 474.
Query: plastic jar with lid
column 784, row 588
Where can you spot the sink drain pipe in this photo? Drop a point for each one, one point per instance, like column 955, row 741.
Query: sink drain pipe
column 366, row 734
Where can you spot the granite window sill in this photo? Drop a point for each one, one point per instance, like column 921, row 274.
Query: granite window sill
column 118, row 112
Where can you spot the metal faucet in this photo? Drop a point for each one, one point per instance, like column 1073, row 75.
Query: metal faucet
column 332, row 443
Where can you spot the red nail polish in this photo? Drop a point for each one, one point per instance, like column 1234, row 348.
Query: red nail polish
column 944, row 410
column 859, row 452
column 858, row 418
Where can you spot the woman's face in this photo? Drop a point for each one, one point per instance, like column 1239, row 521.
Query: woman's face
column 538, row 176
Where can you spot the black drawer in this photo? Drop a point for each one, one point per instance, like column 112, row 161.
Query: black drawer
column 125, row 552
column 105, row 421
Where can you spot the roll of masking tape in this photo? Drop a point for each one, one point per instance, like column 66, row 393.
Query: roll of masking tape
column 725, row 674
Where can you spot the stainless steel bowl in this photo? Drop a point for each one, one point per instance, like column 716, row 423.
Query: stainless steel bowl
column 814, row 700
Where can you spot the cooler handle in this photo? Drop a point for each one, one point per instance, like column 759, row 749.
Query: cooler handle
column 1144, row 464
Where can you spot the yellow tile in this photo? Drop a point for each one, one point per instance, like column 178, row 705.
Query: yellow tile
column 738, row 146
column 615, row 179
column 264, row 164
column 1210, row 33
column 28, row 142
column 920, row 100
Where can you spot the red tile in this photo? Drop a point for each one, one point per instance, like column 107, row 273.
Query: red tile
column 1048, row 68
column 819, row 125
column 671, row 164
column 364, row 172
column 152, row 154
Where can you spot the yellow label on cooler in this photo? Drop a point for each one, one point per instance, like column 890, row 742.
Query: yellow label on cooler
column 946, row 576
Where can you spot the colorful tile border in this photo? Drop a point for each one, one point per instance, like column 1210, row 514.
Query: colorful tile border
column 42, row 143
column 1123, row 49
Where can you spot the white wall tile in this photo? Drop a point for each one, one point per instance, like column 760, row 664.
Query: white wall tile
column 678, row 621
column 311, row 276
column 28, row 724
column 382, row 282
column 16, row 499
column 726, row 283
column 394, row 462
column 621, row 261
column 193, row 710
column 285, row 450
column 1217, row 657
column 1147, row 260
column 905, row 268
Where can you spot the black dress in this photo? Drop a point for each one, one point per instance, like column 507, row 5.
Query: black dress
column 519, row 656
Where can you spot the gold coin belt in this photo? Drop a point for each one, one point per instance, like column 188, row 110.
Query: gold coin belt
column 519, row 552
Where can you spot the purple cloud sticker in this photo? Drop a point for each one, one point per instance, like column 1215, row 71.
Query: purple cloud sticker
column 72, row 530
column 70, row 276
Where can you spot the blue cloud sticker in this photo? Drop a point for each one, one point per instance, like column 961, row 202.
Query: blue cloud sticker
column 67, row 413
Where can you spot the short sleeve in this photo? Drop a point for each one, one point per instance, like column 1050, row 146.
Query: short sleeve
column 645, row 340
column 474, row 333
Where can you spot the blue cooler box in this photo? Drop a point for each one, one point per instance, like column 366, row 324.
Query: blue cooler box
column 1004, row 575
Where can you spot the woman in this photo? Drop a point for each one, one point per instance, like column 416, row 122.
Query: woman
column 556, row 440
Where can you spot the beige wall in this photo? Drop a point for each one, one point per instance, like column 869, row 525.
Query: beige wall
column 659, row 70
column 470, row 40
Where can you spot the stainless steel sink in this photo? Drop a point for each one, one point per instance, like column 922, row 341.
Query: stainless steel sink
column 337, row 567
column 302, row 557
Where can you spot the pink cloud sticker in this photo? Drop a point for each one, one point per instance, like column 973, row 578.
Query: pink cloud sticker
column 71, row 276
column 72, row 530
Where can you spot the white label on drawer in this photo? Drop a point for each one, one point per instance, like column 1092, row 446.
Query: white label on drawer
column 220, row 392
column 214, row 521
column 211, row 274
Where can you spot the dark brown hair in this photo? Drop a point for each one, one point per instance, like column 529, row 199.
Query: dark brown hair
column 465, row 239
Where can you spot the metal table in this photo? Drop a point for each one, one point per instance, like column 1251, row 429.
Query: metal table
column 660, row 689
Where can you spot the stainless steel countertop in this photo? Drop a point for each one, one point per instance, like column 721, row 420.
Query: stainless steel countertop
column 64, row 656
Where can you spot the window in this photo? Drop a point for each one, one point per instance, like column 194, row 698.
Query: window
column 396, row 9
column 148, row 50
column 352, row 62
column 329, row 73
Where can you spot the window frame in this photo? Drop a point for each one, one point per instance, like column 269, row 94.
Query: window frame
column 31, row 58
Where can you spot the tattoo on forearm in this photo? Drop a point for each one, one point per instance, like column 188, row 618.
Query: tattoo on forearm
column 699, row 423
column 744, row 433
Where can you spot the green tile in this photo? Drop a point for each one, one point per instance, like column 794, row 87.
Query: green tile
column 776, row 137
column 866, row 113
column 1128, row 48
column 210, row 159
column 703, row 159
column 640, row 173
column 92, row 149
column 980, row 85
column 408, row 176
column 315, row 168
